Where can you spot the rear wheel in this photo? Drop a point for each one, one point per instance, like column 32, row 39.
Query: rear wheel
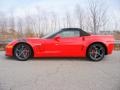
column 22, row 52
column 96, row 52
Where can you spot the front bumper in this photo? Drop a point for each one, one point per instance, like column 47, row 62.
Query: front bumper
column 9, row 50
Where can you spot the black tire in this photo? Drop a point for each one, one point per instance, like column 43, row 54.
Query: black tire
column 22, row 52
column 96, row 52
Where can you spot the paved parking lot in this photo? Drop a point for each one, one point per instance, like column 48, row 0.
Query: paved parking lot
column 60, row 74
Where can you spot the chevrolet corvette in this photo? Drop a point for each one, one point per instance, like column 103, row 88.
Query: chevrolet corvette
column 67, row 42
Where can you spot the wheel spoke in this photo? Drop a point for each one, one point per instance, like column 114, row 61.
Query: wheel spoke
column 96, row 52
column 25, row 53
column 99, row 54
column 18, row 50
column 100, row 49
column 22, row 52
column 95, row 47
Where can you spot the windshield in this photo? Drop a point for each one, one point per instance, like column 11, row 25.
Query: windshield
column 50, row 35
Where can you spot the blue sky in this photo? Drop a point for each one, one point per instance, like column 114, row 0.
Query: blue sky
column 20, row 6
column 8, row 4
column 5, row 4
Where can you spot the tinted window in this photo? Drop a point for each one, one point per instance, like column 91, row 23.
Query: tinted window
column 70, row 33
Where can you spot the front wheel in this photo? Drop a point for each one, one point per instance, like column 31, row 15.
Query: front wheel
column 96, row 52
column 22, row 52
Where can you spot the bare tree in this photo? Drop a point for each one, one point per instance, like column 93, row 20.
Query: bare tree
column 3, row 26
column 68, row 19
column 53, row 21
column 3, row 22
column 97, row 15
column 12, row 24
column 20, row 27
column 34, row 26
column 42, row 22
column 11, row 21
column 45, row 23
column 79, row 16
column 115, row 22
column 39, row 24
column 28, row 27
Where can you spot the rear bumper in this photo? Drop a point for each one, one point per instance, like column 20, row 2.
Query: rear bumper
column 110, row 48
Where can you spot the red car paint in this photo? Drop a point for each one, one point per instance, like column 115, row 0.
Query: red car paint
column 63, row 47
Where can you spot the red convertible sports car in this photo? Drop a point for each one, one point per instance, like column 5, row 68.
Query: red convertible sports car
column 68, row 42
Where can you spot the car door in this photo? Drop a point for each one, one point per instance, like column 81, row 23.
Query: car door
column 70, row 43
column 51, row 48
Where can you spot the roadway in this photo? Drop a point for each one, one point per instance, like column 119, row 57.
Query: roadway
column 60, row 73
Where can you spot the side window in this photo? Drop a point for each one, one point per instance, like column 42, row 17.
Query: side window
column 71, row 33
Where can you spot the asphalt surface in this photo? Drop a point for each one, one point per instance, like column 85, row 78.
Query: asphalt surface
column 60, row 73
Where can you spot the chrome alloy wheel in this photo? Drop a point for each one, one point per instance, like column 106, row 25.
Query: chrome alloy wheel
column 96, row 52
column 22, row 52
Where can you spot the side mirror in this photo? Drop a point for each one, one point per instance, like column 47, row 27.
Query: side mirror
column 57, row 38
column 83, row 38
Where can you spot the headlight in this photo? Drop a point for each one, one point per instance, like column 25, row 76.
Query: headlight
column 9, row 46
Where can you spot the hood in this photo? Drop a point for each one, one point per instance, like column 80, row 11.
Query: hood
column 35, row 40
column 29, row 39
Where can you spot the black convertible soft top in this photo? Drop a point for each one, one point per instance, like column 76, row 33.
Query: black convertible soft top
column 82, row 32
